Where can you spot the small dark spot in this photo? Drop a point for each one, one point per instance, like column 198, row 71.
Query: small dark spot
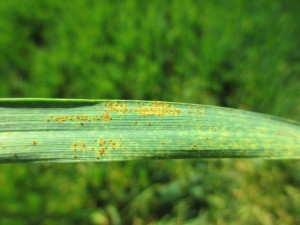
column 74, row 146
column 101, row 152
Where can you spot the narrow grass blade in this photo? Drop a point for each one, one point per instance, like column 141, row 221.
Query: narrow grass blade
column 66, row 130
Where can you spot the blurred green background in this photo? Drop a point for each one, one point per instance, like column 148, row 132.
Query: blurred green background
column 240, row 54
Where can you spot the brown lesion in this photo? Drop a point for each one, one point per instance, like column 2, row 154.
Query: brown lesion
column 120, row 107
column 105, row 116
column 98, row 146
column 116, row 106
column 157, row 109
column 79, row 145
column 74, row 145
column 195, row 111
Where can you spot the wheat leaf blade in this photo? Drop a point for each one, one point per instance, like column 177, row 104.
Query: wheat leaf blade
column 66, row 130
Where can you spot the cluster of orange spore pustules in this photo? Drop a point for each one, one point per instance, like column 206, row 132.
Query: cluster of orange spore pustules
column 99, row 146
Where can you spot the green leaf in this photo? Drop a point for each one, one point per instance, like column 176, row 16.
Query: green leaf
column 68, row 130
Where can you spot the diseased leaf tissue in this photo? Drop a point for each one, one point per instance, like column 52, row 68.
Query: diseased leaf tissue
column 107, row 130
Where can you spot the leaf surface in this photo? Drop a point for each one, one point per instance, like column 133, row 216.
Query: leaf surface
column 68, row 130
